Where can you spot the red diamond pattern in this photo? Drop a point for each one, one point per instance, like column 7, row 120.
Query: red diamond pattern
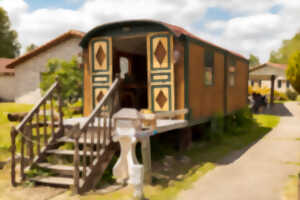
column 160, row 52
column 161, row 99
column 100, row 55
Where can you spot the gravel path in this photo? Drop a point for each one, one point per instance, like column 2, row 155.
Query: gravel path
column 259, row 172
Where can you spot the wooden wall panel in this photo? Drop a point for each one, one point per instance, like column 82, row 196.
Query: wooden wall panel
column 237, row 95
column 204, row 100
column 87, row 87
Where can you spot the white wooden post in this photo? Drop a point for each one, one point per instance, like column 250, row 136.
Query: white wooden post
column 128, row 131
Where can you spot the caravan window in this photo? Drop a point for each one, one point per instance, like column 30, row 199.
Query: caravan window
column 231, row 71
column 209, row 67
column 279, row 84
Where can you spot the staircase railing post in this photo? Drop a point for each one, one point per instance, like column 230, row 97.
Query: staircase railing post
column 13, row 134
column 22, row 164
column 60, row 104
column 76, row 158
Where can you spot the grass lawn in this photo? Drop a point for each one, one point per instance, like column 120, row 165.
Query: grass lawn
column 204, row 157
column 290, row 191
column 5, row 125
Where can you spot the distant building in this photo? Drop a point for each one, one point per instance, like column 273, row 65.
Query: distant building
column 7, row 82
column 260, row 76
column 28, row 67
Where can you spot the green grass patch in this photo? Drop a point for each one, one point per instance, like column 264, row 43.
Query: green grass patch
column 204, row 157
column 290, row 190
column 15, row 107
column 241, row 130
column 6, row 125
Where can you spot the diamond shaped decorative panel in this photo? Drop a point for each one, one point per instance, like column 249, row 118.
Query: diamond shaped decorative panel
column 160, row 52
column 161, row 99
column 100, row 55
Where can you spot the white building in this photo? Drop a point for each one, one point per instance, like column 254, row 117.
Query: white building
column 260, row 76
column 28, row 68
column 7, row 80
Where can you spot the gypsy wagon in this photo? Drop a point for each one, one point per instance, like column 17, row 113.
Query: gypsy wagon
column 138, row 64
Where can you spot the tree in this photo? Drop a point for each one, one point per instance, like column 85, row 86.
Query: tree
column 69, row 75
column 9, row 46
column 254, row 60
column 287, row 48
column 293, row 70
column 30, row 47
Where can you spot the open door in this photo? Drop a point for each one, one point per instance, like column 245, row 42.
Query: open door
column 160, row 71
column 101, row 62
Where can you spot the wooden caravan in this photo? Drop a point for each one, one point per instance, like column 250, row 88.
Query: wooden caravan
column 163, row 68
column 150, row 65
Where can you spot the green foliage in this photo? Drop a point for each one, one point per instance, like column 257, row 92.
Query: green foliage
column 30, row 47
column 287, row 48
column 5, row 126
column 231, row 124
column 291, row 95
column 37, row 171
column 216, row 130
column 69, row 75
column 71, row 109
column 293, row 71
column 253, row 60
column 244, row 117
column 280, row 96
column 10, row 47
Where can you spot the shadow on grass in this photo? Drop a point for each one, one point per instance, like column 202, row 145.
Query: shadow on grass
column 176, row 166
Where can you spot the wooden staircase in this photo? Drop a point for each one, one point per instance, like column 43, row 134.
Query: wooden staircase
column 84, row 149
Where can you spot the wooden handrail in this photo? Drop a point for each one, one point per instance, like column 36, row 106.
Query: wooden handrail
column 28, row 127
column 113, row 87
column 36, row 107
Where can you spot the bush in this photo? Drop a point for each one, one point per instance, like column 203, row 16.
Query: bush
column 263, row 90
column 293, row 70
column 243, row 117
column 230, row 124
column 71, row 109
column 280, row 96
column 291, row 95
column 266, row 92
column 237, row 120
column 216, row 128
column 69, row 75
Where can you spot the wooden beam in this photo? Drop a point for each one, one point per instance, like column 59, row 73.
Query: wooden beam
column 167, row 114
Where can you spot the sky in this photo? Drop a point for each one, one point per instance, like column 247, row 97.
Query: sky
column 243, row 26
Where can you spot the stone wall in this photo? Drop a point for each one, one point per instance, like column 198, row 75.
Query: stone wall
column 27, row 74
column 7, row 88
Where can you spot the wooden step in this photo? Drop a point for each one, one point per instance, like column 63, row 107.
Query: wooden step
column 54, row 180
column 58, row 168
column 65, row 170
column 71, row 152
column 81, row 140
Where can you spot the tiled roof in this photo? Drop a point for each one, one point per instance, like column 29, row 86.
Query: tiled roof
column 270, row 64
column 281, row 66
column 44, row 47
column 3, row 66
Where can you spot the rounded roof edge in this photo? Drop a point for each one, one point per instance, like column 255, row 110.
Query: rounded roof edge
column 175, row 30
